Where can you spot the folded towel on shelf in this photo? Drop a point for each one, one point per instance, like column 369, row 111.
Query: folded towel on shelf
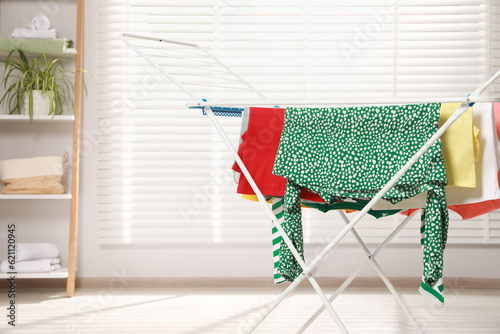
column 41, row 45
column 35, row 251
column 39, row 27
column 49, row 184
column 40, row 175
column 33, row 33
column 33, row 167
column 33, row 266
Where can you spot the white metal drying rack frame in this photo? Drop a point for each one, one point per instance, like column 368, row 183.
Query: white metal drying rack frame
column 199, row 56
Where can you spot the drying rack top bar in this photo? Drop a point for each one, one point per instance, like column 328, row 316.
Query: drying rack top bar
column 157, row 39
column 337, row 102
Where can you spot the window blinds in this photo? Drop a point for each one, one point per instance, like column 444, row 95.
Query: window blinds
column 163, row 173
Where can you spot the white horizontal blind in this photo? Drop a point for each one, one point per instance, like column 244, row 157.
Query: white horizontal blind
column 164, row 174
column 494, row 44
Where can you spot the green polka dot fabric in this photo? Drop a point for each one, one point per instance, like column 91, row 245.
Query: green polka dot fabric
column 353, row 152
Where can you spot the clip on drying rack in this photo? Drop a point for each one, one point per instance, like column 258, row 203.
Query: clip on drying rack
column 195, row 66
column 222, row 111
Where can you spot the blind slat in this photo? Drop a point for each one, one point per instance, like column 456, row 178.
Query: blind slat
column 159, row 162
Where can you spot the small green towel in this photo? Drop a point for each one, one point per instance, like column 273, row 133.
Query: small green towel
column 33, row 45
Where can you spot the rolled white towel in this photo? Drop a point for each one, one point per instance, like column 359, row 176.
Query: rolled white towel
column 30, row 25
column 33, row 33
column 41, row 22
column 34, row 251
column 34, row 266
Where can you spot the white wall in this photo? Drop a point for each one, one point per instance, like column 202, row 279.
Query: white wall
column 203, row 261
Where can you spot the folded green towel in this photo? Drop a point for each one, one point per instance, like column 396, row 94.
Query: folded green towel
column 33, row 45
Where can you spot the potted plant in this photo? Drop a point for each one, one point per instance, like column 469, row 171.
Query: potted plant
column 34, row 82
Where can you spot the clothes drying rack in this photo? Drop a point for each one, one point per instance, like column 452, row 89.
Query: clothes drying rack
column 189, row 65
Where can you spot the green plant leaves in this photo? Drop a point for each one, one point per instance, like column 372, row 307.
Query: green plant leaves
column 25, row 76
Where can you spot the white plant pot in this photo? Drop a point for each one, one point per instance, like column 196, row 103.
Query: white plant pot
column 41, row 104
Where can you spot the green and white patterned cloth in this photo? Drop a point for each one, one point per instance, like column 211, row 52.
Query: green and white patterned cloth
column 353, row 152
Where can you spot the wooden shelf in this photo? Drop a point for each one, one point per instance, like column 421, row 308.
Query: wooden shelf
column 75, row 55
column 25, row 118
column 62, row 196
column 60, row 273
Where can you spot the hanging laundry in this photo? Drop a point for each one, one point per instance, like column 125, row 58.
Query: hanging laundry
column 260, row 136
column 352, row 153
column 472, row 210
column 487, row 167
column 258, row 149
column 277, row 207
column 460, row 147
column 434, row 293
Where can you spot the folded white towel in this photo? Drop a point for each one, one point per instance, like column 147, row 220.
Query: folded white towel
column 34, row 251
column 41, row 22
column 34, row 33
column 34, row 266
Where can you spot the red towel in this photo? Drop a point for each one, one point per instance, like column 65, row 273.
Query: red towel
column 258, row 151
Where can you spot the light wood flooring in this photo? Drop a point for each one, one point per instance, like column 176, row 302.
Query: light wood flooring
column 117, row 307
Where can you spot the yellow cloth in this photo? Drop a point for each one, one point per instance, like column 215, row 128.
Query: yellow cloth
column 460, row 147
column 254, row 198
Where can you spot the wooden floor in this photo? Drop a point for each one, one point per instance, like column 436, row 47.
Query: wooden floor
column 121, row 309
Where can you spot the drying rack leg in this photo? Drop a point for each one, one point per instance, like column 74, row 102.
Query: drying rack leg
column 370, row 259
column 284, row 236
column 382, row 275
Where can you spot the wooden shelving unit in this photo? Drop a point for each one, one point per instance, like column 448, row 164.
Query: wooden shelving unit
column 76, row 53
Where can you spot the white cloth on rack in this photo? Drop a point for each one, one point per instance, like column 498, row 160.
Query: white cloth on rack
column 34, row 266
column 486, row 168
column 34, row 251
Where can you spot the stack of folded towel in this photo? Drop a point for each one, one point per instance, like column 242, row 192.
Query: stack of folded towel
column 34, row 258
column 38, row 28
column 36, row 37
column 41, row 175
